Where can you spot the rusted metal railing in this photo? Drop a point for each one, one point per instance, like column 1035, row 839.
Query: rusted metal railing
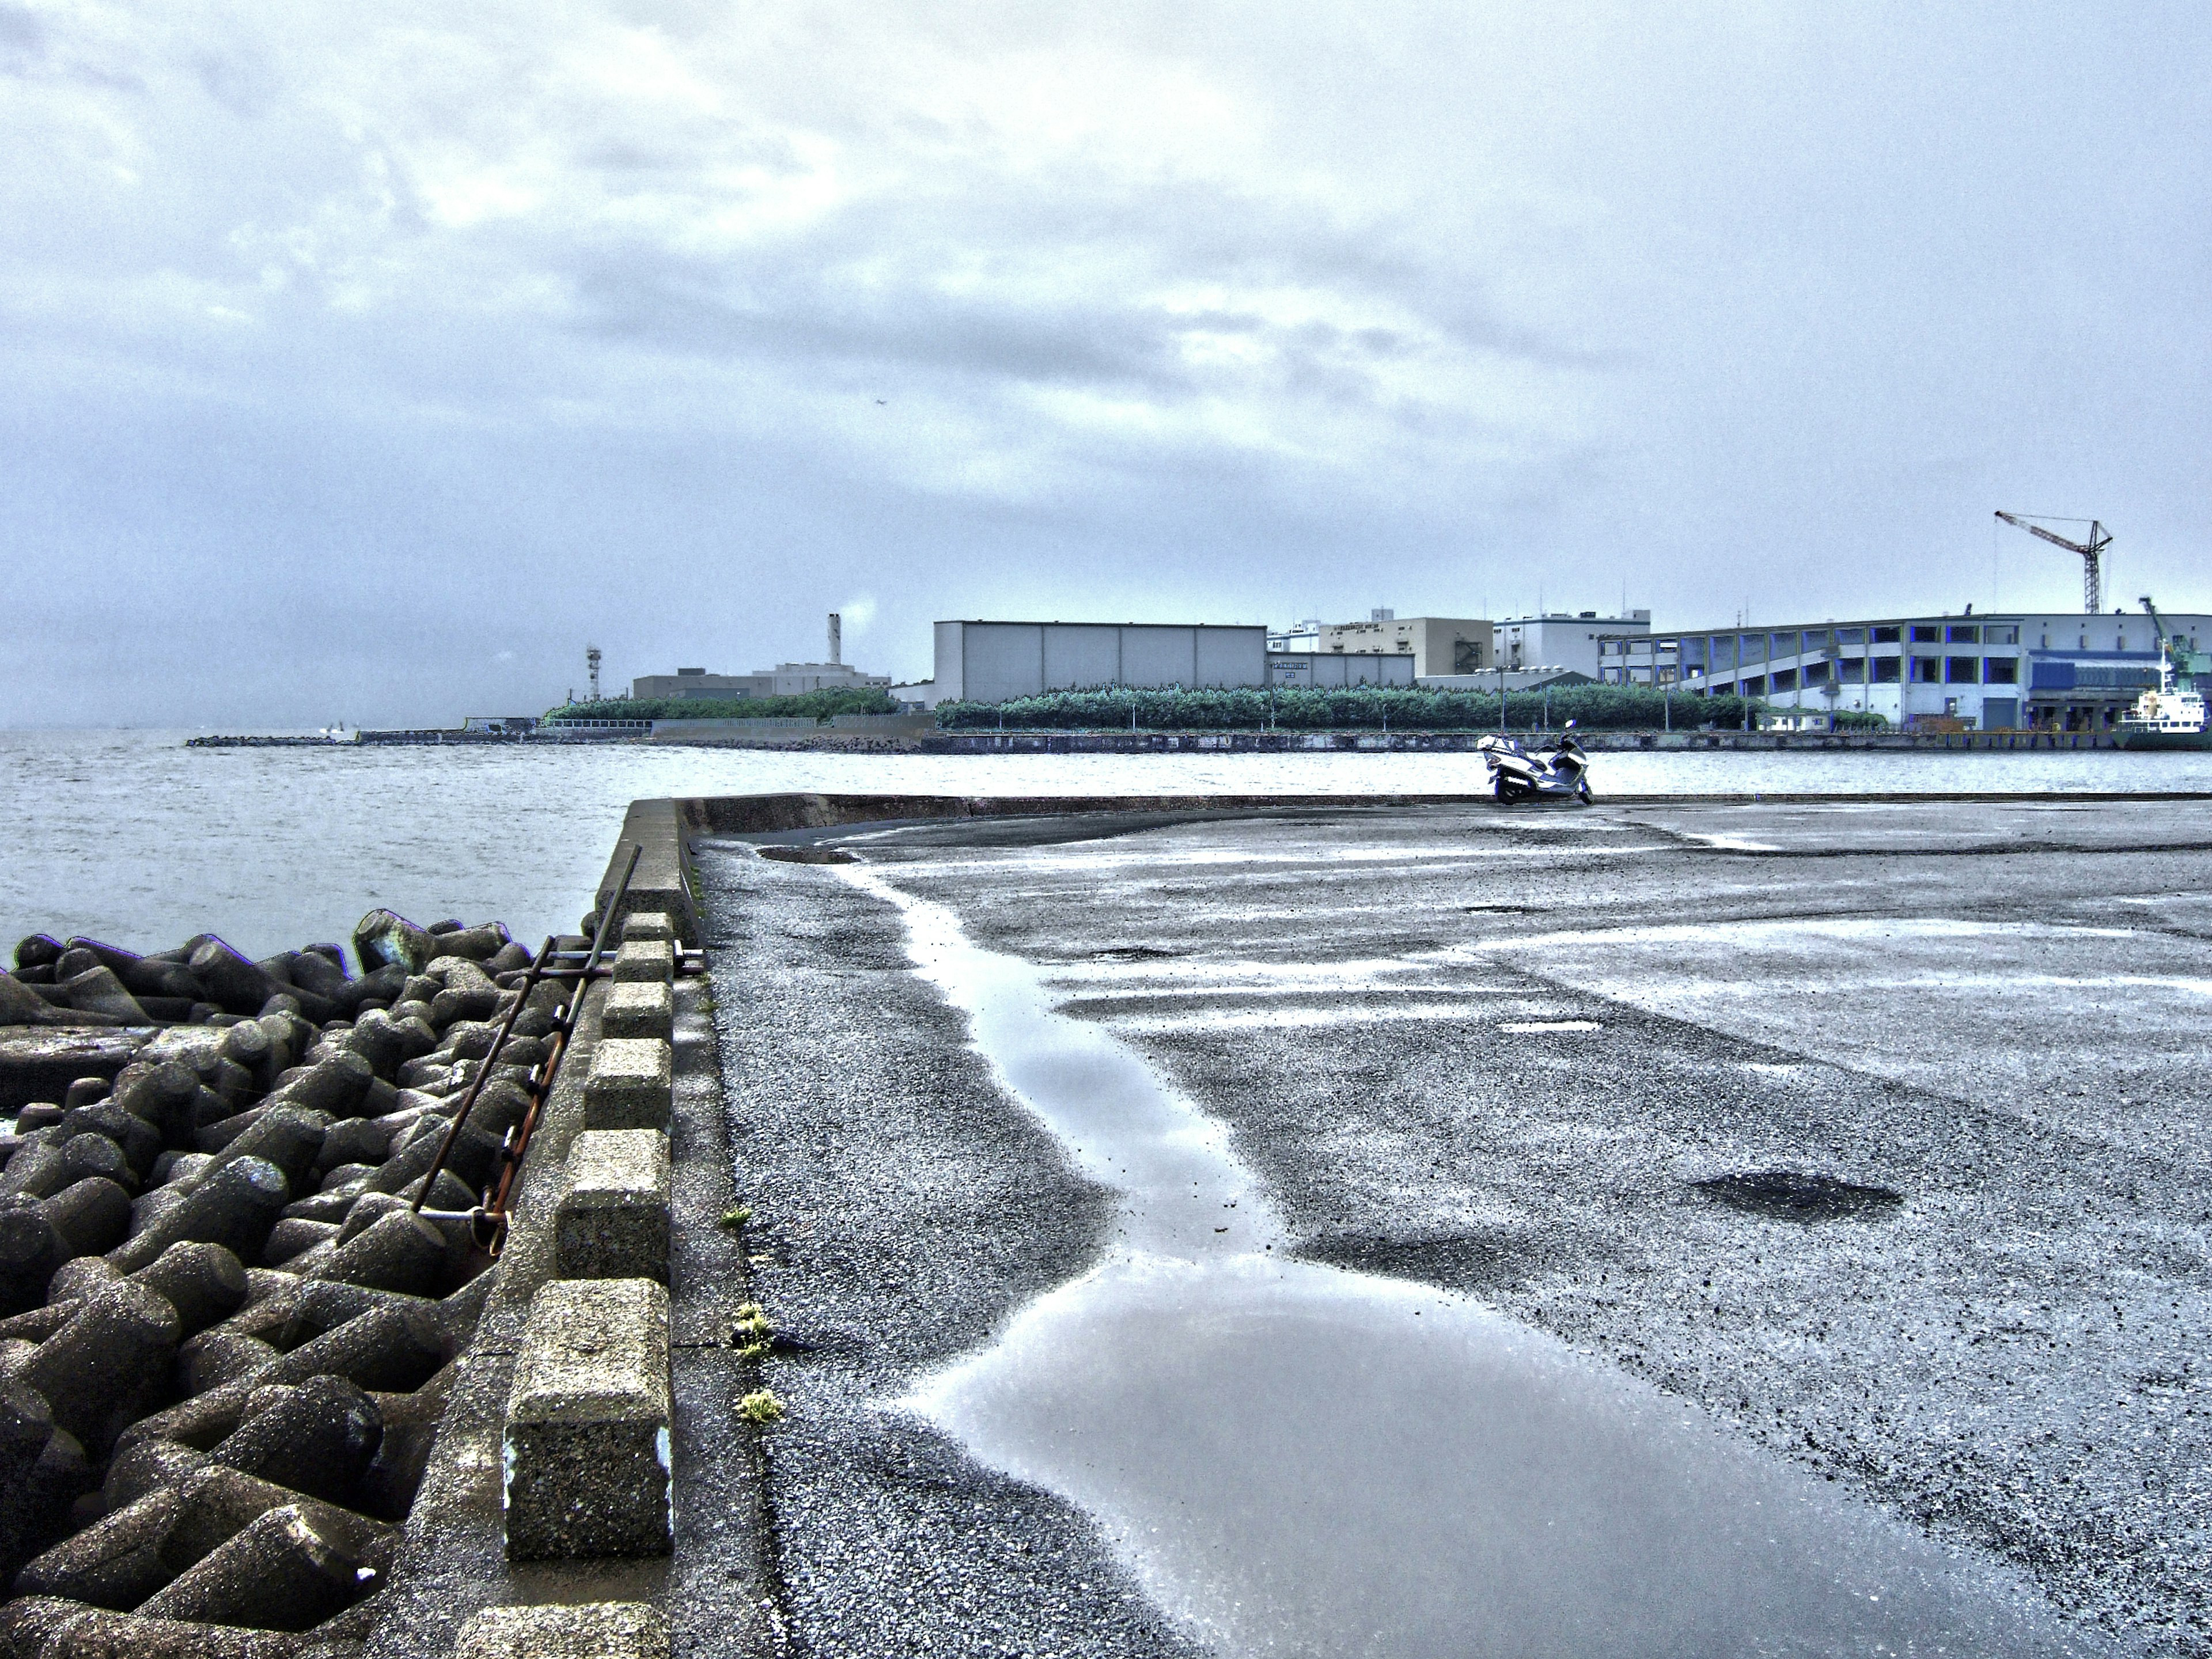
column 488, row 1221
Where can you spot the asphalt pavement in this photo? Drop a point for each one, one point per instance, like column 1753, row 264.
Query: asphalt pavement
column 1876, row 1131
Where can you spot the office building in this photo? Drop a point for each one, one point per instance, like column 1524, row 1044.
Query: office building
column 1559, row 638
column 1437, row 644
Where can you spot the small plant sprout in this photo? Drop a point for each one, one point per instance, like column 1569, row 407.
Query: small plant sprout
column 751, row 1331
column 733, row 1219
column 760, row 1407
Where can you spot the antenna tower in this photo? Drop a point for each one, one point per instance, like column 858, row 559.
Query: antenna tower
column 592, row 661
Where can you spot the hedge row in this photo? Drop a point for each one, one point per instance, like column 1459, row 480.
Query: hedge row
column 1597, row 708
column 811, row 705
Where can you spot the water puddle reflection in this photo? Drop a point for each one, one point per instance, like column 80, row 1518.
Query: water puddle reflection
column 1295, row 1459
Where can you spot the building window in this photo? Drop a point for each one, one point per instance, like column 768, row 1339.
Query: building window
column 1755, row 685
column 1784, row 645
column 1886, row 669
column 1927, row 670
column 1850, row 636
column 1754, row 646
column 1962, row 671
column 1852, row 670
column 1817, row 639
column 1963, row 634
column 1924, row 632
column 2001, row 671
column 1883, row 635
column 1785, row 679
column 1816, row 674
column 1993, row 635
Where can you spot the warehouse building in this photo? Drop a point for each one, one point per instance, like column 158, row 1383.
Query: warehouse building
column 2049, row 671
column 988, row 661
column 785, row 680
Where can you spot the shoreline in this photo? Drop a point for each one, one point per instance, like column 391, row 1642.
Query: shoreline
column 1334, row 741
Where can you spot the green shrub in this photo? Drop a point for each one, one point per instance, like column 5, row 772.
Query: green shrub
column 811, row 705
column 1363, row 708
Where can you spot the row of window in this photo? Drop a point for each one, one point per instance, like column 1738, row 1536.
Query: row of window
column 1728, row 650
column 1888, row 670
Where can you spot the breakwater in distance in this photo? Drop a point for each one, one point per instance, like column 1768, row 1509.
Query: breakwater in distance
column 913, row 738
column 1363, row 741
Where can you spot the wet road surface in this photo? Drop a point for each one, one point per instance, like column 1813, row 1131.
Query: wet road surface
column 1492, row 1057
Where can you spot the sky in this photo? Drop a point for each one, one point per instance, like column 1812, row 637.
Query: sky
column 365, row 363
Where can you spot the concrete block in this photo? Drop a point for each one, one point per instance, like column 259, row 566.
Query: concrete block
column 648, row 924
column 588, row 1630
column 641, row 1008
column 611, row 1220
column 649, row 959
column 585, row 1455
column 632, row 1085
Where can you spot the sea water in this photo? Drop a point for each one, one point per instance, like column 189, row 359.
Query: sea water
column 130, row 837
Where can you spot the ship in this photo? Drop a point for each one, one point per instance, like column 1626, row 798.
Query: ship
column 2171, row 715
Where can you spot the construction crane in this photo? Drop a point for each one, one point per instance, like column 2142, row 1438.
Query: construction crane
column 2092, row 552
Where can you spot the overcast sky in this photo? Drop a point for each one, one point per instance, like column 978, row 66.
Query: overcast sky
column 364, row 363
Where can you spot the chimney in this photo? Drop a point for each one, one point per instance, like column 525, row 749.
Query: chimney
column 837, row 638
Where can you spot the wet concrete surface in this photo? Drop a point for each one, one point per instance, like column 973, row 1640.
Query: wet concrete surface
column 1497, row 1053
column 902, row 1205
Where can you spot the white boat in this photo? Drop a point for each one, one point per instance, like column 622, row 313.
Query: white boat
column 2170, row 716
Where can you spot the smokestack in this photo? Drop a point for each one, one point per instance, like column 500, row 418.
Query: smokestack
column 836, row 637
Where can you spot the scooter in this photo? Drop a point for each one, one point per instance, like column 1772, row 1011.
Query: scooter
column 1560, row 772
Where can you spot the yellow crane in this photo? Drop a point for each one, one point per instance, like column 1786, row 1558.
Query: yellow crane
column 2092, row 552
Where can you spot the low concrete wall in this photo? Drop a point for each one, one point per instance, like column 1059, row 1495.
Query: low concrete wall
column 797, row 813
column 992, row 741
column 662, row 879
column 781, row 732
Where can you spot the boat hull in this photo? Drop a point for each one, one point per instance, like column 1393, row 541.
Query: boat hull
column 2128, row 739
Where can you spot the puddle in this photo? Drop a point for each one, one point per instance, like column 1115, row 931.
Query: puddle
column 1794, row 1195
column 1730, row 844
column 1297, row 1459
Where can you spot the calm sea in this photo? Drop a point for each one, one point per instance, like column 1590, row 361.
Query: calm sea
column 130, row 837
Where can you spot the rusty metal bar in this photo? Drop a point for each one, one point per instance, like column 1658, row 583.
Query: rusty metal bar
column 564, row 1026
column 483, row 1071
column 490, row 1061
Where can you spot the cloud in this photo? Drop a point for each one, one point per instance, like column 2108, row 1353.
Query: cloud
column 335, row 337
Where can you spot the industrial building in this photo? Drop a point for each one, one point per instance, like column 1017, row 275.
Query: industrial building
column 1557, row 639
column 2051, row 672
column 787, row 679
column 990, row 661
column 1438, row 645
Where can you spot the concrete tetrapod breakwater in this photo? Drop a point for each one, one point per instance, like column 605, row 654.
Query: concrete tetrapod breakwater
column 256, row 1358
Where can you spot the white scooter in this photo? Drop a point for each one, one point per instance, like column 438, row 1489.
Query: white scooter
column 1560, row 772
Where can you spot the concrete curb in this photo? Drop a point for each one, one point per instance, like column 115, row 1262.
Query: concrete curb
column 612, row 1218
column 595, row 1630
column 586, row 1455
column 717, row 1586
